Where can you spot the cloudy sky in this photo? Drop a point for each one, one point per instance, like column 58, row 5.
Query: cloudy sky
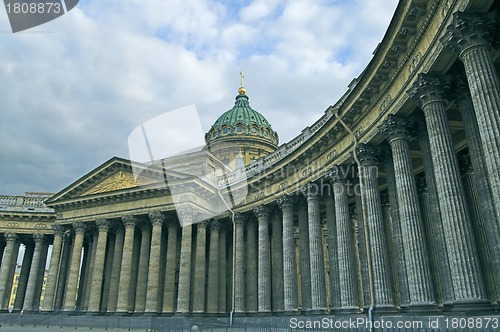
column 72, row 90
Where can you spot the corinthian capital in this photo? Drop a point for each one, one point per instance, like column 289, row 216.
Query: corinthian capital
column 428, row 89
column 367, row 154
column 285, row 202
column 394, row 128
column 262, row 211
column 468, row 31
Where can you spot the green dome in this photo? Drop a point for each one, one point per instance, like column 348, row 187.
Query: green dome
column 242, row 121
column 241, row 112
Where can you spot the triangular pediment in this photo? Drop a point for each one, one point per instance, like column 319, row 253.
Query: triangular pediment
column 115, row 175
column 118, row 181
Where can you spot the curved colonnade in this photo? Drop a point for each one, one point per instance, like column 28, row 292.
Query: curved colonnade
column 391, row 200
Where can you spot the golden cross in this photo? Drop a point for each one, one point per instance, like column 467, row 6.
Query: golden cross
column 242, row 76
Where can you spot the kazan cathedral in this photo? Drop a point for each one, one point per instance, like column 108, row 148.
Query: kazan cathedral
column 388, row 205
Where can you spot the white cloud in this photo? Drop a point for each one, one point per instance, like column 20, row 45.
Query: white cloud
column 73, row 89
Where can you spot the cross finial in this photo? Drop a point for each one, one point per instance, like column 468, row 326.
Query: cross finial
column 242, row 76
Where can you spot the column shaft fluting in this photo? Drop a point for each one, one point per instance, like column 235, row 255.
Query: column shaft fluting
column 468, row 36
column 142, row 272
column 488, row 216
column 170, row 267
column 74, row 269
column 462, row 252
column 55, row 259
column 200, row 268
column 333, row 263
column 289, row 255
column 213, row 268
column 32, row 280
column 98, row 271
column 87, row 273
column 251, row 263
column 153, row 288
column 304, row 263
column 345, row 247
column 29, row 249
column 469, row 181
column 402, row 297
column 129, row 223
column 63, row 271
column 445, row 289
column 239, row 261
column 6, row 268
column 420, row 284
column 222, row 303
column 264, row 261
column 318, row 288
column 381, row 266
column 277, row 262
column 116, row 269
column 184, row 290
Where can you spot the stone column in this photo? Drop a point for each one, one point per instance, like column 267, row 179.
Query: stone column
column 153, row 288
column 170, row 267
column 32, row 279
column 200, row 268
column 55, row 259
column 435, row 224
column 9, row 258
column 277, row 262
column 402, row 297
column 142, row 272
column 264, row 268
column 462, row 252
column 239, row 278
column 98, row 271
column 116, row 269
column 213, row 268
column 41, row 274
column 420, row 284
column 62, row 277
column 74, row 269
column 87, row 272
column 430, row 236
column 379, row 259
column 304, row 264
column 318, row 288
column 333, row 263
column 184, row 291
column 469, row 36
column 345, row 246
column 29, row 249
column 251, row 264
column 129, row 223
column 289, row 257
column 487, row 222
column 222, row 302
column 477, row 216
column 108, row 268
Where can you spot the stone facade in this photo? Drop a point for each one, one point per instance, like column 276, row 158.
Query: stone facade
column 369, row 207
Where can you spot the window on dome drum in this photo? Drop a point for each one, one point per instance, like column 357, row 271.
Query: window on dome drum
column 225, row 130
column 239, row 128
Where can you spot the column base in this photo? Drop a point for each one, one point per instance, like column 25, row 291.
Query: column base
column 265, row 313
column 474, row 306
column 317, row 311
column 422, row 308
column 383, row 309
column 350, row 310
column 292, row 312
